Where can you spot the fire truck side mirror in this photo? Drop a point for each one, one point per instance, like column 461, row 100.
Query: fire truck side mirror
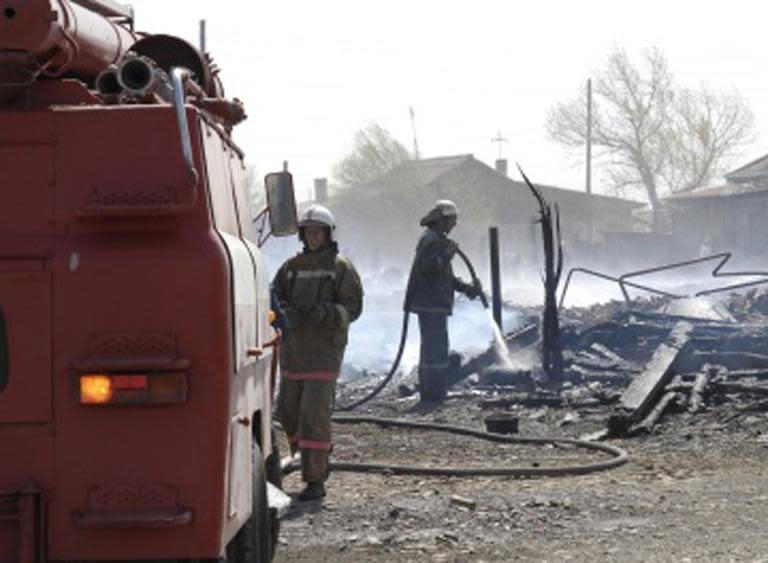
column 281, row 203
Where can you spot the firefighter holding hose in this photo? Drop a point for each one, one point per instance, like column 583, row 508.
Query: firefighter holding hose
column 321, row 294
column 430, row 295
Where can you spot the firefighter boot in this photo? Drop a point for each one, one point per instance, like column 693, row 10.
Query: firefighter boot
column 313, row 491
column 432, row 388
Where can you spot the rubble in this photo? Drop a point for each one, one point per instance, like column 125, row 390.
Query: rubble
column 628, row 366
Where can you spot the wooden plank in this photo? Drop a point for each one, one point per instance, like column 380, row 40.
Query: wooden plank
column 590, row 375
column 619, row 362
column 641, row 395
column 645, row 388
column 650, row 421
column 730, row 387
column 733, row 360
column 699, row 387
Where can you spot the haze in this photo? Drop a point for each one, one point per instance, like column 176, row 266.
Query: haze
column 311, row 73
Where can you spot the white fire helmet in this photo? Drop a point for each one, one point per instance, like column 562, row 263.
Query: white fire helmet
column 442, row 208
column 317, row 216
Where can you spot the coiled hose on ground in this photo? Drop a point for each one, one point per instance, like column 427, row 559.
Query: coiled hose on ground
column 619, row 456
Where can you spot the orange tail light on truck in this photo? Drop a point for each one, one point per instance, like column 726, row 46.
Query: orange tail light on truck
column 132, row 389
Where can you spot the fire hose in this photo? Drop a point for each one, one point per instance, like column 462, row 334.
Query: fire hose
column 404, row 336
column 619, row 456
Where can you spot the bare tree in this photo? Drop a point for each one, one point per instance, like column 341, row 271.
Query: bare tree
column 650, row 133
column 708, row 127
column 374, row 152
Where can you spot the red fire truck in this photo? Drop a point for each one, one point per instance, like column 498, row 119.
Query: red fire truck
column 135, row 341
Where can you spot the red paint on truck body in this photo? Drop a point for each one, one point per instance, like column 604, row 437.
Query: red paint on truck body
column 111, row 259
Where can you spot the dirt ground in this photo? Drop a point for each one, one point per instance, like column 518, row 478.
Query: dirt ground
column 694, row 490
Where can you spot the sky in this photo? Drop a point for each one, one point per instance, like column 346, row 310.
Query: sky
column 312, row 72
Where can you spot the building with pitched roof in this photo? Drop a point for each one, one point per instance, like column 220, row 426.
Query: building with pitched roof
column 730, row 216
column 379, row 221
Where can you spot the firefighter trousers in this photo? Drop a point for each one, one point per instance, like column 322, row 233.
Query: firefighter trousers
column 304, row 409
column 434, row 362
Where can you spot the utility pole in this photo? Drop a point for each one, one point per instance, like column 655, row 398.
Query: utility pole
column 590, row 221
column 415, row 138
column 589, row 136
column 202, row 36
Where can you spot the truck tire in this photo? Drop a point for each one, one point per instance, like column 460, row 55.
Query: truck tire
column 253, row 543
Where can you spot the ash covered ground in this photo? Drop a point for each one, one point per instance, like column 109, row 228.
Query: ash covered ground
column 694, row 488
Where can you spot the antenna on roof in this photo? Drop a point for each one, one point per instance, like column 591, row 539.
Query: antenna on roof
column 415, row 139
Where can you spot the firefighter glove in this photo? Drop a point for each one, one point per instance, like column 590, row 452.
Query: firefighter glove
column 472, row 290
column 476, row 289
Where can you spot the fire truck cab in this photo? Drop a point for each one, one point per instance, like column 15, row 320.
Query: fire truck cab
column 136, row 352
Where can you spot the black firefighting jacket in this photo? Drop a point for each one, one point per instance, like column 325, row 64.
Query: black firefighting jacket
column 431, row 284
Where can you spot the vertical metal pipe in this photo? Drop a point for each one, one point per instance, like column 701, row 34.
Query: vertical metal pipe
column 495, row 276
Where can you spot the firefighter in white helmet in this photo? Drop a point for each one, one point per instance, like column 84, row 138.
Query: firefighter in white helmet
column 321, row 294
column 430, row 294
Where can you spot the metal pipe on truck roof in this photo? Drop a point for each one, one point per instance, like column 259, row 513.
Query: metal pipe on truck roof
column 59, row 37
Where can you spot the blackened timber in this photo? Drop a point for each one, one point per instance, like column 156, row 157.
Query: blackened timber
column 732, row 387
column 732, row 360
column 699, row 387
column 552, row 350
column 649, row 422
column 640, row 396
column 582, row 373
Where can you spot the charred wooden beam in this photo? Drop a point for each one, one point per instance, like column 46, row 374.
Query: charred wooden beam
column 583, row 373
column 641, row 395
column 731, row 360
column 649, row 422
column 552, row 350
column 732, row 387
column 699, row 388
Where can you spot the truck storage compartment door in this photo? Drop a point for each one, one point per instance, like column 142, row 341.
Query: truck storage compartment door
column 26, row 192
column 25, row 347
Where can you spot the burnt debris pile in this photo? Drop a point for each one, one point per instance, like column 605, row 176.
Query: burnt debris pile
column 627, row 367
column 650, row 359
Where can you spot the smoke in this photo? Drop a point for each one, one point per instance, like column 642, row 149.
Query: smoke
column 375, row 336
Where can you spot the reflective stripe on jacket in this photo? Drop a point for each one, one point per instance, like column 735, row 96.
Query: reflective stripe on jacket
column 312, row 350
